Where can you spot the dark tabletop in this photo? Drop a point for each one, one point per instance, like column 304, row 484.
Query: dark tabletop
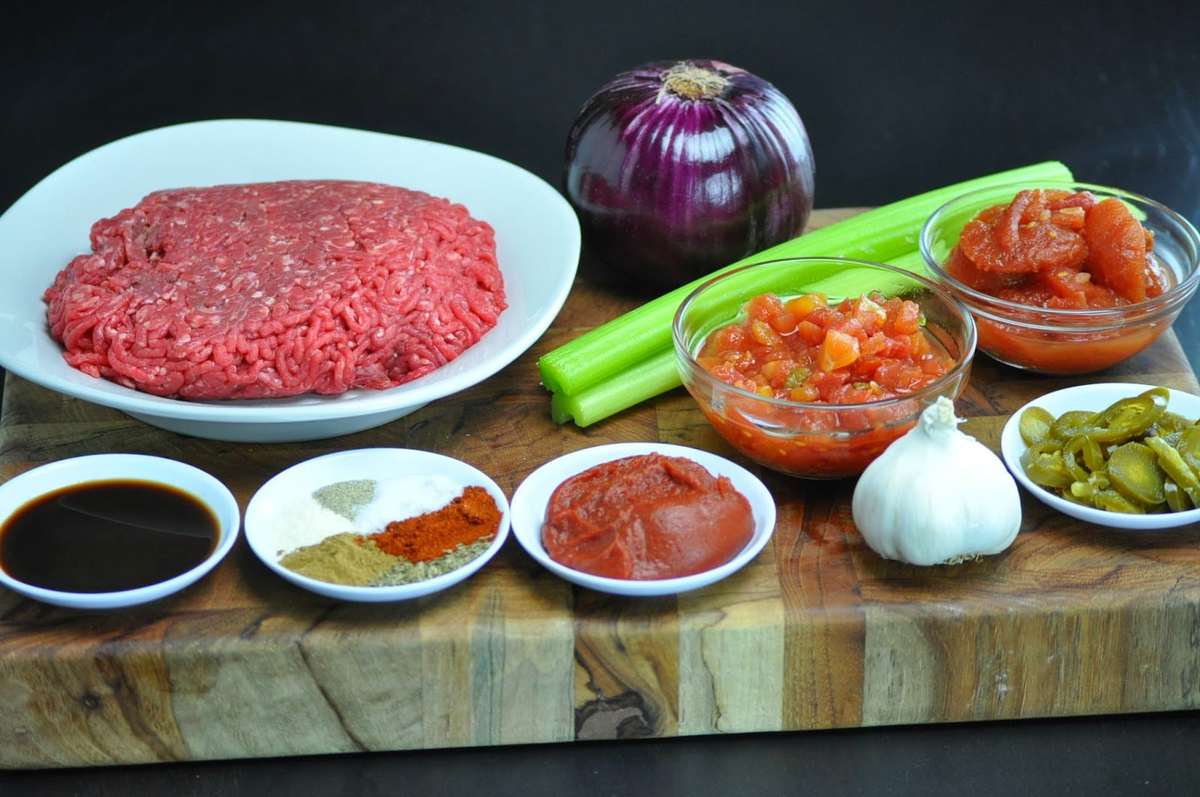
column 897, row 99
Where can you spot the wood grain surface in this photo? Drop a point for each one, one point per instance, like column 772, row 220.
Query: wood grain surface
column 817, row 632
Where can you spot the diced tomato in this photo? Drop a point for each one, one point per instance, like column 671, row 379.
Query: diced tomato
column 853, row 327
column 761, row 331
column 918, row 345
column 828, row 383
column 824, row 317
column 838, row 350
column 730, row 338
column 833, row 354
column 865, row 367
column 933, row 366
column 906, row 321
column 804, row 393
column 896, row 375
column 776, row 372
column 876, row 344
column 784, row 323
column 869, row 315
column 810, row 333
column 764, row 307
column 802, row 306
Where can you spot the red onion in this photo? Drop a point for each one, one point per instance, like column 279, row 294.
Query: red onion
column 679, row 168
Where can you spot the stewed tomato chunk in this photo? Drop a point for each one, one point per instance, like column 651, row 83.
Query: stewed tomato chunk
column 1058, row 249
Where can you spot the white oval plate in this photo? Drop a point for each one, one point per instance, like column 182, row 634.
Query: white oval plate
column 20, row 490
column 1094, row 398
column 537, row 242
column 365, row 463
column 529, row 511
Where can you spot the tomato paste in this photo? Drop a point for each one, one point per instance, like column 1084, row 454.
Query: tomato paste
column 646, row 517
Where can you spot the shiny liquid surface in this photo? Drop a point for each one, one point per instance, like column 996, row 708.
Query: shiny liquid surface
column 107, row 536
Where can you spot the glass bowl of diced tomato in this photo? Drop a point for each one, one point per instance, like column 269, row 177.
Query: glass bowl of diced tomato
column 1063, row 277
column 813, row 366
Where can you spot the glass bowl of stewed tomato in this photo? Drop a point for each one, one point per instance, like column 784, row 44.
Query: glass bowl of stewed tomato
column 1066, row 277
column 813, row 366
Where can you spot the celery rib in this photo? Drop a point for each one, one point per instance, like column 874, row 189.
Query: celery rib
column 880, row 234
column 643, row 381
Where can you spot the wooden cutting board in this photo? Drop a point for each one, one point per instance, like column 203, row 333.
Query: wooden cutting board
column 818, row 632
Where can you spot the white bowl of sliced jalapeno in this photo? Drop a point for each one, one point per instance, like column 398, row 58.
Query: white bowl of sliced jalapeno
column 1114, row 454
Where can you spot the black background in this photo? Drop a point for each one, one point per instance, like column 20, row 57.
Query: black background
column 898, row 98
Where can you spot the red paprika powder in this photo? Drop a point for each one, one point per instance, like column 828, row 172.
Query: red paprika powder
column 468, row 518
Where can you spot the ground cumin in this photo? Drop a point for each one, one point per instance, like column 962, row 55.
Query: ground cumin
column 466, row 519
column 340, row 559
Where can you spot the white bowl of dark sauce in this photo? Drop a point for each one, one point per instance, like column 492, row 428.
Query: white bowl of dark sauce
column 112, row 530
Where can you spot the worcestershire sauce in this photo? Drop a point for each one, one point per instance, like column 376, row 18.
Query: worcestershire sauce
column 107, row 536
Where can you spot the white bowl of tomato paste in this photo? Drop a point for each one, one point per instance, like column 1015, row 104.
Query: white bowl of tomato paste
column 278, row 518
column 642, row 519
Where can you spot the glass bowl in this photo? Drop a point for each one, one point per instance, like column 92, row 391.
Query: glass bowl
column 1054, row 341
column 815, row 440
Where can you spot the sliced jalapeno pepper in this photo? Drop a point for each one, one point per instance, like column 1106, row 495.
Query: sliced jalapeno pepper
column 1170, row 422
column 1071, row 424
column 1035, row 425
column 1113, row 501
column 1134, row 472
column 1129, row 418
column 1171, row 462
column 1189, row 447
column 1176, row 499
column 1049, row 470
column 1075, row 446
column 1093, row 457
column 1086, row 491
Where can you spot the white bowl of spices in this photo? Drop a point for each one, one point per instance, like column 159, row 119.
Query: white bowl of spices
column 377, row 524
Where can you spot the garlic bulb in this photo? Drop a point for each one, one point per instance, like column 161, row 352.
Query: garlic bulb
column 937, row 496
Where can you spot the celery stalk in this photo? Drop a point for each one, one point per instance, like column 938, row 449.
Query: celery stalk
column 851, row 282
column 911, row 261
column 643, row 381
column 881, row 234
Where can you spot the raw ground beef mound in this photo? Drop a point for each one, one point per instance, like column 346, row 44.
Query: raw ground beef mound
column 267, row 290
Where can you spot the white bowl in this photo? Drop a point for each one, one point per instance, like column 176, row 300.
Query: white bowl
column 20, row 490
column 1093, row 398
column 531, row 498
column 537, row 241
column 365, row 463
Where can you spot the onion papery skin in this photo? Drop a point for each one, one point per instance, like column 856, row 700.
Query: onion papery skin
column 669, row 188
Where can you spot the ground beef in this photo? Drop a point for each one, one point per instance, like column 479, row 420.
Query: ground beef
column 276, row 289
